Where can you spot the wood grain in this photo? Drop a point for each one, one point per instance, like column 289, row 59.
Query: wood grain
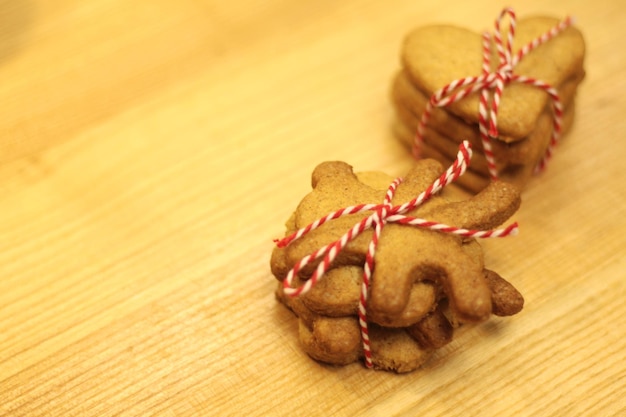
column 151, row 150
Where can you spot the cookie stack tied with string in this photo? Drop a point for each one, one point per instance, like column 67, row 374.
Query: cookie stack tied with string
column 384, row 270
column 510, row 93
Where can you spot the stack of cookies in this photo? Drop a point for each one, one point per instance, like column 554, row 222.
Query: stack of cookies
column 434, row 56
column 425, row 283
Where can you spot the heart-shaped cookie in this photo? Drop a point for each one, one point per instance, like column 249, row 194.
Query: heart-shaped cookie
column 434, row 56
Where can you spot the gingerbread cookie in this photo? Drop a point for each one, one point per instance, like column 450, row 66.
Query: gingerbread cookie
column 534, row 102
column 424, row 281
column 337, row 340
column 433, row 56
column 442, row 148
column 410, row 103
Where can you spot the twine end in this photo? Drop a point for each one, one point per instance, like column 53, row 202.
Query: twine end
column 281, row 243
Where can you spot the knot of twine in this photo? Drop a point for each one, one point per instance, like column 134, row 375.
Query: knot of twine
column 491, row 84
column 382, row 214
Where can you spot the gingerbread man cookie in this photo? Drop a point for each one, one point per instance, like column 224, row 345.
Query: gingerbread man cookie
column 425, row 281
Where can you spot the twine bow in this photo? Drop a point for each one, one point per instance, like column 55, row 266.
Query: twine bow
column 381, row 215
column 491, row 84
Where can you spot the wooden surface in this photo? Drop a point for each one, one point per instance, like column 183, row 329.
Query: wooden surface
column 151, row 150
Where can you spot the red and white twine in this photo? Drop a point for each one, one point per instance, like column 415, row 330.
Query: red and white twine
column 382, row 214
column 491, row 85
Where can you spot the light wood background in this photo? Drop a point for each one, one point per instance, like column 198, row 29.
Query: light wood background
column 151, row 150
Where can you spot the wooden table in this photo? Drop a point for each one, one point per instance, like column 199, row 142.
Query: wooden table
column 151, row 150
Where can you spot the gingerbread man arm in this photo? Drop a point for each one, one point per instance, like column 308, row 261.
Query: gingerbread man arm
column 488, row 209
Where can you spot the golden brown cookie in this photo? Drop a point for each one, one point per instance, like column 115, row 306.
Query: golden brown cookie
column 505, row 299
column 418, row 272
column 410, row 103
column 338, row 294
column 337, row 340
column 433, row 56
column 336, row 186
column 433, row 331
column 443, row 148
